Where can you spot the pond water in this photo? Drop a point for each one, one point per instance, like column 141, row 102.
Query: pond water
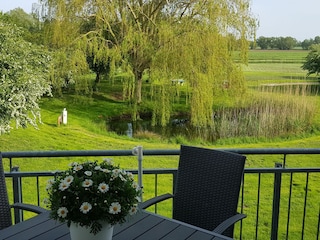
column 177, row 126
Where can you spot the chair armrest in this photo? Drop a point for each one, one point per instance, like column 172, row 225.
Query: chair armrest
column 28, row 207
column 155, row 200
column 229, row 222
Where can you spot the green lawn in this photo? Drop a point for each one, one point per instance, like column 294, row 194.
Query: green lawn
column 86, row 130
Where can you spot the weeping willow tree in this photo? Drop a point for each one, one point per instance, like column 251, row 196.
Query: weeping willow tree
column 192, row 40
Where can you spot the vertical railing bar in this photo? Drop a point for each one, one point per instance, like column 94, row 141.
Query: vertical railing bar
column 17, row 195
column 242, row 204
column 38, row 190
column 276, row 203
column 174, row 187
column 258, row 205
column 289, row 206
column 10, row 164
column 156, row 191
column 284, row 160
column 318, row 230
column 21, row 198
column 138, row 151
column 305, row 205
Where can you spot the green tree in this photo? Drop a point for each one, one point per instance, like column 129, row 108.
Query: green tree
column 305, row 44
column 30, row 25
column 23, row 78
column 312, row 62
column 285, row 43
column 169, row 38
column 263, row 42
column 317, row 40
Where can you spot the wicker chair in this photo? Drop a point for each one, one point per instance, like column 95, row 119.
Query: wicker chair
column 5, row 208
column 207, row 189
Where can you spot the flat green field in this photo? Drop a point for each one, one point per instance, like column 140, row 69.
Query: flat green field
column 280, row 56
column 289, row 56
column 271, row 66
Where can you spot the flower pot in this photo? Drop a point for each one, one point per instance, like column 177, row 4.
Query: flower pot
column 78, row 232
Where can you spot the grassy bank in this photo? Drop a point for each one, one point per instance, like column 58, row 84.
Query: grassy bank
column 86, row 128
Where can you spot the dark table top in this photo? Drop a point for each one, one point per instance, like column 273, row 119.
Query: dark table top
column 144, row 225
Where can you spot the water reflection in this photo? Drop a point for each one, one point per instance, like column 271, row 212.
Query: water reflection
column 177, row 126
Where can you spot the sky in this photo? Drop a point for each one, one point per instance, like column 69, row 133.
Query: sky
column 278, row 18
column 287, row 18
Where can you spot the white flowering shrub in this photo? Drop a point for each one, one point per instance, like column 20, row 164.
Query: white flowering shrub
column 23, row 79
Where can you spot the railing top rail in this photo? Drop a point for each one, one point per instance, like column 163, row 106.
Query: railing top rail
column 153, row 152
column 241, row 151
column 35, row 154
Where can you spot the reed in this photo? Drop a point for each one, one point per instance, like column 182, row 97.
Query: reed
column 267, row 113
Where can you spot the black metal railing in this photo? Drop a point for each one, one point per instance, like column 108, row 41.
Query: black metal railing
column 280, row 197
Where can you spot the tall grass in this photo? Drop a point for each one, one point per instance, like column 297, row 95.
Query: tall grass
column 264, row 113
column 267, row 114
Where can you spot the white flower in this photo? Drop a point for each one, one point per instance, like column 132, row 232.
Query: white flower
column 115, row 208
column 130, row 175
column 69, row 179
column 133, row 210
column 88, row 173
column 73, row 164
column 138, row 199
column 50, row 183
column 77, row 167
column 103, row 187
column 108, row 161
column 97, row 168
column 85, row 207
column 46, row 201
column 62, row 212
column 87, row 183
column 63, row 185
column 105, row 170
column 116, row 172
column 122, row 178
column 136, row 186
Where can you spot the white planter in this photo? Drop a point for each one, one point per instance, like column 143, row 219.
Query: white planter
column 83, row 233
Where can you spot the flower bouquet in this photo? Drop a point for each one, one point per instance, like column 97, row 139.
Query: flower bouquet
column 90, row 194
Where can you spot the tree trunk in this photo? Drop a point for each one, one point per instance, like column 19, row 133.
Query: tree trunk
column 138, row 78
column 97, row 77
column 96, row 81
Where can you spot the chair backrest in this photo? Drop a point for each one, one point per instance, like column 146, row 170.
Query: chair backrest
column 5, row 213
column 207, row 187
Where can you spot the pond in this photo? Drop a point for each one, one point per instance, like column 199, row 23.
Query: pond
column 124, row 126
column 231, row 122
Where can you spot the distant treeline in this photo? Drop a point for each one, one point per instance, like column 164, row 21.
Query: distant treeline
column 283, row 43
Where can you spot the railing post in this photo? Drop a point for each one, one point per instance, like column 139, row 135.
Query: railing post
column 17, row 195
column 276, row 203
column 138, row 151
